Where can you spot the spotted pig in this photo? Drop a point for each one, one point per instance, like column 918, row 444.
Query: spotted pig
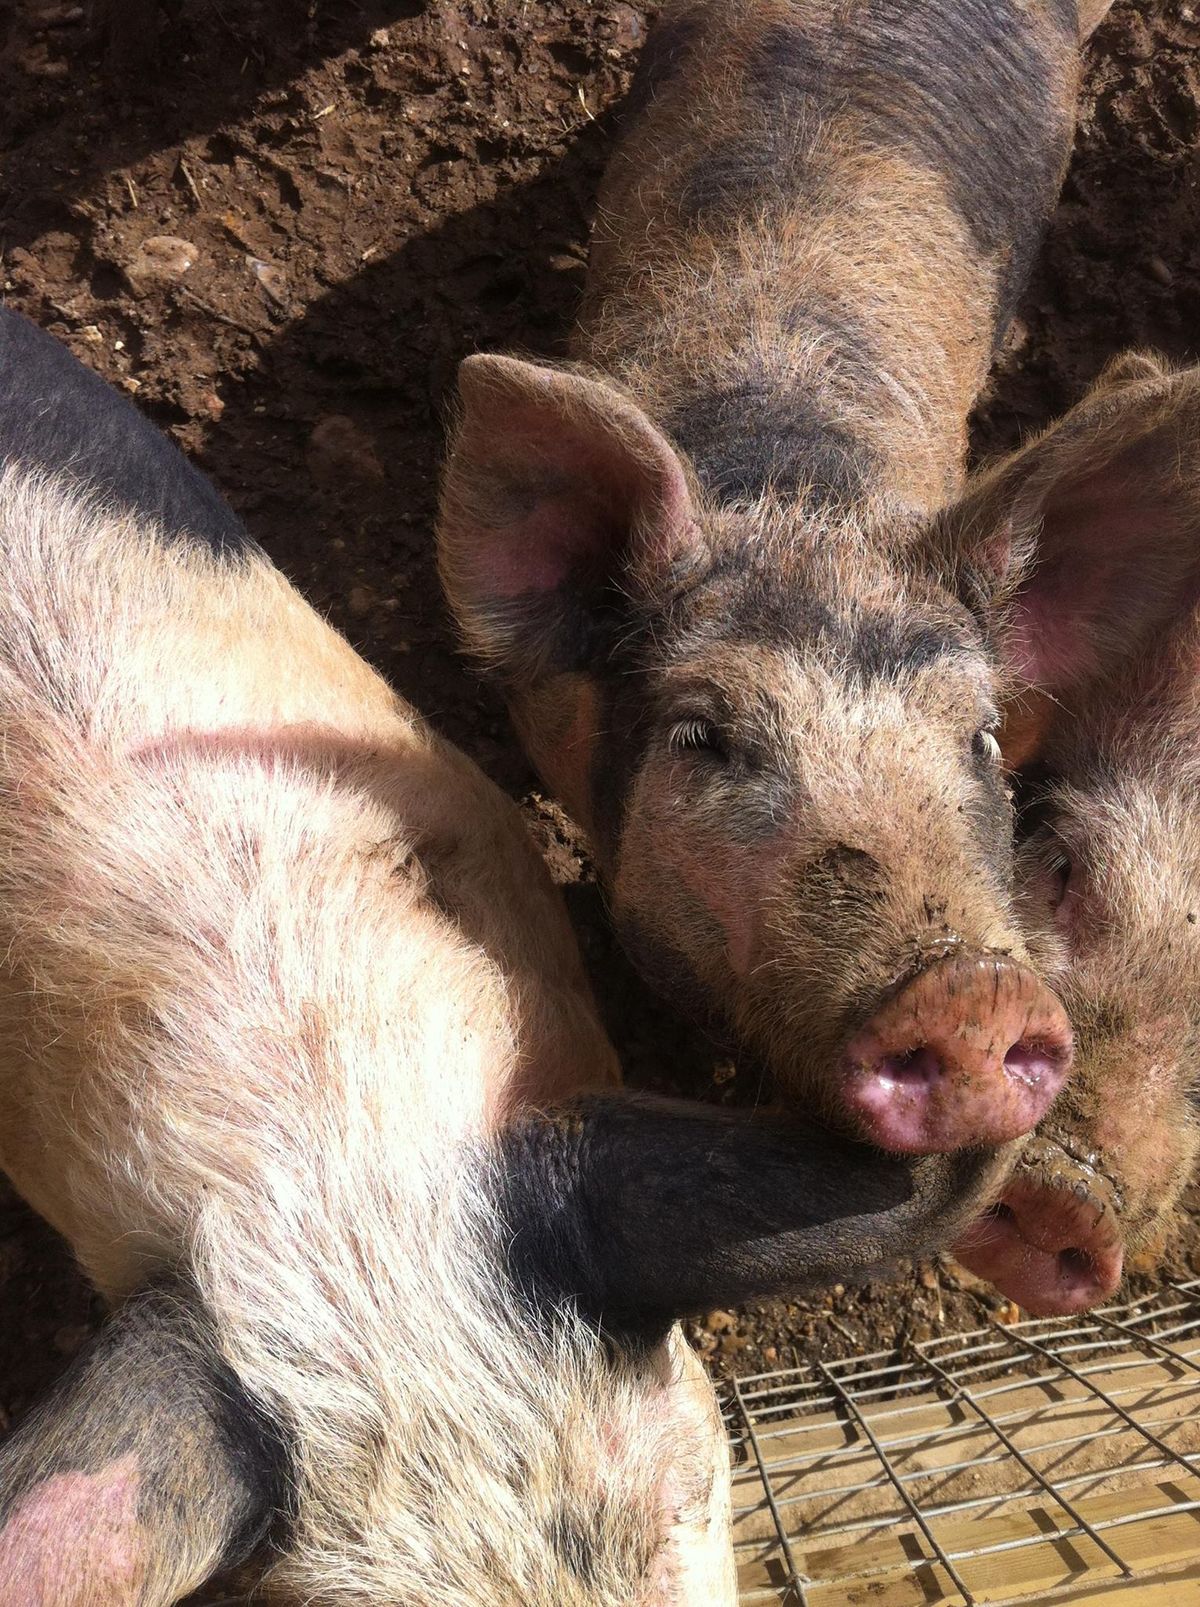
column 297, row 1053
column 697, row 558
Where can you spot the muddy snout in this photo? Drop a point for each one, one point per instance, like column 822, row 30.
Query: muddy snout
column 1053, row 1241
column 970, row 1053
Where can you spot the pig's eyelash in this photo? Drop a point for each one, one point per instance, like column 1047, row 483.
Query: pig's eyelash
column 696, row 735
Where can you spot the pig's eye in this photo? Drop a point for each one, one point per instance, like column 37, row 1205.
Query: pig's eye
column 984, row 746
column 1059, row 870
column 698, row 736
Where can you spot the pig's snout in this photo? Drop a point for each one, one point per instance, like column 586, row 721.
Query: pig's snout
column 1053, row 1243
column 971, row 1053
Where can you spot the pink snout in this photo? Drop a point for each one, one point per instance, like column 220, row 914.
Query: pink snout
column 970, row 1054
column 1053, row 1243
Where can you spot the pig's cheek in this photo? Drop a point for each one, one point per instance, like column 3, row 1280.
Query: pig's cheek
column 729, row 888
column 74, row 1540
column 1140, row 1136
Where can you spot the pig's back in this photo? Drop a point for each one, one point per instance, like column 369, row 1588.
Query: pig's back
column 243, row 890
column 59, row 418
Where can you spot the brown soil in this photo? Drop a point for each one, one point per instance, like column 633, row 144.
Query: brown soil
column 369, row 190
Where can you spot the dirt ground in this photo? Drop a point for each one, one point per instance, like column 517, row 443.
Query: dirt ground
column 362, row 191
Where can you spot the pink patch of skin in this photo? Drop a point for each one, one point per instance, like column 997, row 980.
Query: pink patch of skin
column 548, row 546
column 75, row 1541
column 1047, row 647
column 730, row 885
column 318, row 746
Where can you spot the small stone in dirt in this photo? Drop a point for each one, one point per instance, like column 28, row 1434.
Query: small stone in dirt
column 39, row 65
column 1160, row 270
column 272, row 278
column 770, row 1353
column 340, row 453
column 564, row 262
column 630, row 27
column 720, row 1322
column 360, row 600
column 163, row 259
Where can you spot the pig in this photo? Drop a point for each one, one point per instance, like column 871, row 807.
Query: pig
column 297, row 1053
column 1109, row 857
column 697, row 558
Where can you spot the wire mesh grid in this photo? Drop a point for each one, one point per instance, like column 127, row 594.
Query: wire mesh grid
column 1047, row 1461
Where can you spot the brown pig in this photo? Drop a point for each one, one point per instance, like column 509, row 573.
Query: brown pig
column 696, row 560
column 1109, row 858
column 297, row 1053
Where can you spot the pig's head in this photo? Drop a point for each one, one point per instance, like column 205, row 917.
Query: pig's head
column 776, row 719
column 1108, row 861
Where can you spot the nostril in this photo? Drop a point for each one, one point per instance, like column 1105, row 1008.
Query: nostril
column 915, row 1068
column 1076, row 1264
column 1034, row 1063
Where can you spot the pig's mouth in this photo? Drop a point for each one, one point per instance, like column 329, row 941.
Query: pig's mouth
column 1053, row 1240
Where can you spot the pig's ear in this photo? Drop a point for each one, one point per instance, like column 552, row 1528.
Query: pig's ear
column 145, row 1471
column 559, row 495
column 1089, row 537
column 638, row 1211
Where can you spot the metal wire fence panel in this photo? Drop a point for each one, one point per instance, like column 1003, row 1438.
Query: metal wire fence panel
column 1048, row 1461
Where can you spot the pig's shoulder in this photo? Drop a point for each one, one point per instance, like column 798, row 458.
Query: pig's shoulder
column 58, row 417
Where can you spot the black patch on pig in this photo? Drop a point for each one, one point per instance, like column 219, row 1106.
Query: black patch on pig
column 757, row 603
column 756, row 429
column 572, row 1542
column 887, row 646
column 58, row 417
column 763, row 168
column 752, row 437
column 961, row 86
column 151, row 1384
column 662, row 59
column 637, row 1211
